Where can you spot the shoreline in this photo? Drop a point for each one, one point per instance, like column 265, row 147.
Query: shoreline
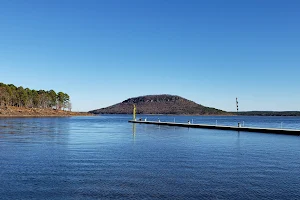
column 44, row 116
column 21, row 112
column 230, row 115
column 41, row 116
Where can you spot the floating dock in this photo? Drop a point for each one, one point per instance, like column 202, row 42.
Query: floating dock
column 233, row 128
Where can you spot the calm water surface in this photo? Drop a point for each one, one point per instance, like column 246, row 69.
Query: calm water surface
column 104, row 157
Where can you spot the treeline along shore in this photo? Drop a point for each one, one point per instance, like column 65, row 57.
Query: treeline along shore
column 268, row 113
column 19, row 101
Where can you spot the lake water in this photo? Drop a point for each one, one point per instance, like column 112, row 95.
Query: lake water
column 105, row 157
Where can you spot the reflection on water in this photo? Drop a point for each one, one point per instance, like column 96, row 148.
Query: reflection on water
column 105, row 157
column 133, row 131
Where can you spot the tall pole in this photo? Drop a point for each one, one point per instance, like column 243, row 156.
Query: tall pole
column 134, row 111
column 237, row 105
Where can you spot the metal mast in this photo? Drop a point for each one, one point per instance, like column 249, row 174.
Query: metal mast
column 237, row 105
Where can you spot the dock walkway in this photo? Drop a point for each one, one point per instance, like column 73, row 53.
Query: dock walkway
column 233, row 128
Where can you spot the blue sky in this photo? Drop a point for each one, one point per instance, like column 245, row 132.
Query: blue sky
column 103, row 52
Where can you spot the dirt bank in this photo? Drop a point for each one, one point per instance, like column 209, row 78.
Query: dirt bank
column 37, row 112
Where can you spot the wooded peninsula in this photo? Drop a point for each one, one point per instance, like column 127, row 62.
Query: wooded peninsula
column 17, row 101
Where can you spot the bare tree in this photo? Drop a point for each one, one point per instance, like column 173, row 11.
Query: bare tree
column 69, row 106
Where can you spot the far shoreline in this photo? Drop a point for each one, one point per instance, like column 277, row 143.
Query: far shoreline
column 229, row 115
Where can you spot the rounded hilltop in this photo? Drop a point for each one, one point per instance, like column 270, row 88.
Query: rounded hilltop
column 159, row 104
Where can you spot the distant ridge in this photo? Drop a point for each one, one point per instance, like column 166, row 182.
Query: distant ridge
column 160, row 104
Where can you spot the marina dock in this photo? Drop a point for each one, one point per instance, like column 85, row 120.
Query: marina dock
column 218, row 127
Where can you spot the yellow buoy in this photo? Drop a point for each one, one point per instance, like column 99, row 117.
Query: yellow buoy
column 134, row 111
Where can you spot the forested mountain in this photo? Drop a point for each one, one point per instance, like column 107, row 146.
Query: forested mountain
column 159, row 104
column 10, row 95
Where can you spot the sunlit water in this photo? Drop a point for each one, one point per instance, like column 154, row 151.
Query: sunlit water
column 105, row 157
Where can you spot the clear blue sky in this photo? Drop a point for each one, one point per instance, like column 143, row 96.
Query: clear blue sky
column 102, row 52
